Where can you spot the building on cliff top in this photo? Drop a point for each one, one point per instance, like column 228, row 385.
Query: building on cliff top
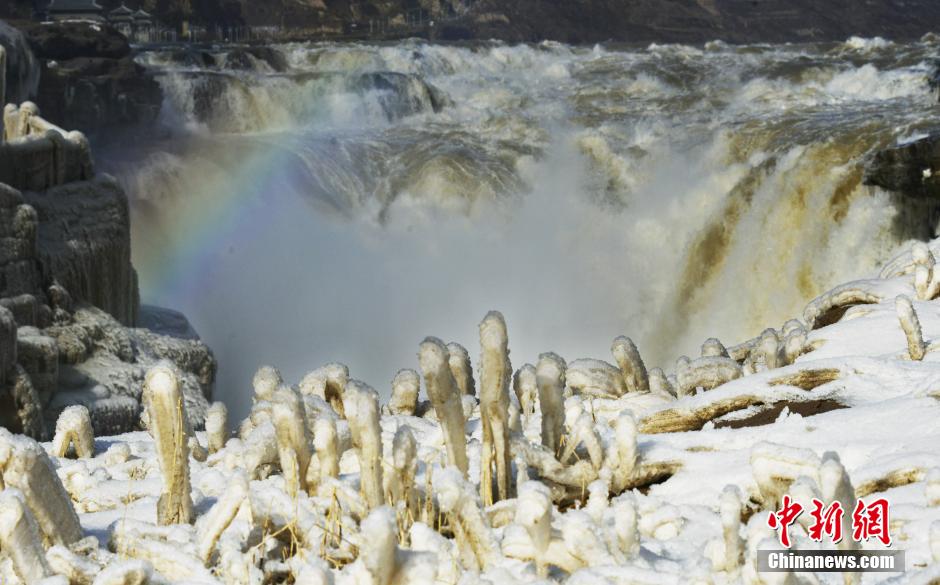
column 143, row 27
column 75, row 10
column 122, row 19
column 136, row 26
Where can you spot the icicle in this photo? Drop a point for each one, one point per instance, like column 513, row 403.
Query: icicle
column 495, row 372
column 217, row 426
column 526, row 388
column 660, row 384
column 25, row 466
column 922, row 255
column 706, row 373
column 922, row 281
column 327, row 450
column 260, row 448
column 293, row 443
column 361, row 404
column 793, row 345
column 329, row 383
column 405, row 388
column 459, row 362
column 592, row 377
column 534, row 513
column 20, row 538
column 631, row 364
column 405, row 464
column 622, row 456
column 379, row 535
column 768, row 349
column 714, row 348
column 916, row 348
column 456, row 497
column 792, row 325
column 550, row 377
column 73, row 428
column 210, row 526
column 266, row 382
column 385, row 561
column 445, row 397
column 598, row 499
column 625, row 524
column 584, row 433
column 164, row 403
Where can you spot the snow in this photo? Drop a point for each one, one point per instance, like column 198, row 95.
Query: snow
column 649, row 488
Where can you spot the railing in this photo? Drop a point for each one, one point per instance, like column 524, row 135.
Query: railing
column 414, row 20
column 417, row 19
column 36, row 154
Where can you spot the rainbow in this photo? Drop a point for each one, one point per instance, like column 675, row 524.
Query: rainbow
column 176, row 247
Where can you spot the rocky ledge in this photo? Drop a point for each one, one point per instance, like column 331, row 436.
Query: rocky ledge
column 911, row 168
column 69, row 303
column 88, row 79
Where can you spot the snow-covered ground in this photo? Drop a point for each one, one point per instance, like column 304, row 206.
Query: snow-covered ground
column 643, row 498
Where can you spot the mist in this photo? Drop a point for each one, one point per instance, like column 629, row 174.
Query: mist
column 586, row 194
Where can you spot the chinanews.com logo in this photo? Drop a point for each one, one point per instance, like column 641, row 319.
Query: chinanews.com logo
column 870, row 523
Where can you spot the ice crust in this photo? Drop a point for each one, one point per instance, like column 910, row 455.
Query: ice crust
column 575, row 472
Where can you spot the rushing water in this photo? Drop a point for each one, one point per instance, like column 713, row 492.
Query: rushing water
column 341, row 202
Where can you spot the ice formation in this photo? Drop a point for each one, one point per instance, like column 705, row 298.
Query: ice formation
column 445, row 398
column 166, row 418
column 631, row 364
column 405, row 388
column 293, row 440
column 216, row 426
column 20, row 538
column 525, row 387
column 666, row 478
column 459, row 361
column 73, row 429
column 362, row 410
column 911, row 326
column 495, row 372
column 550, row 378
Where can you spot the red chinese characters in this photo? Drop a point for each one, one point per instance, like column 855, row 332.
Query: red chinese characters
column 784, row 518
column 868, row 521
column 826, row 521
column 871, row 521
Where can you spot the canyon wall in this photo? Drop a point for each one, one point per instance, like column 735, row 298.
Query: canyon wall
column 584, row 21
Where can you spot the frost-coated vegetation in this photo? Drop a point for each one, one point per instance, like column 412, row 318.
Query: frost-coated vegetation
column 575, row 471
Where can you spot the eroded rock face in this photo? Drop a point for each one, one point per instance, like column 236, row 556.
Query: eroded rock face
column 19, row 268
column 69, row 40
column 22, row 74
column 101, row 94
column 102, row 367
column 68, row 307
column 90, row 81
column 912, row 169
column 84, row 244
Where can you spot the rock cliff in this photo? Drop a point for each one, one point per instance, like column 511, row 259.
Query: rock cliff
column 578, row 21
column 83, row 76
column 67, row 284
column 69, row 302
column 22, row 77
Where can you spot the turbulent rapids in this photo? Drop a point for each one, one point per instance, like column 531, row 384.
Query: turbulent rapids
column 342, row 201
